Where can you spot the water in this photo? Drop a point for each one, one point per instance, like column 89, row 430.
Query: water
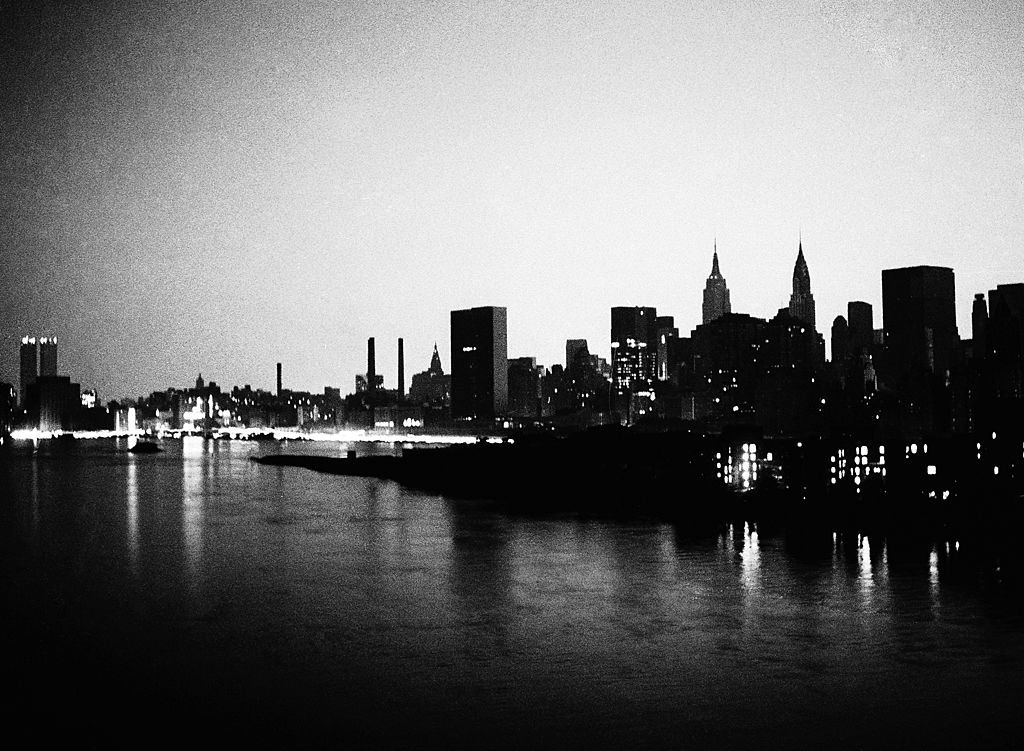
column 193, row 595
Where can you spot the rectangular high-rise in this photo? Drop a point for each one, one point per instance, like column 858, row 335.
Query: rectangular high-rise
column 479, row 363
column 634, row 349
column 29, row 366
column 860, row 319
column 48, row 356
column 919, row 320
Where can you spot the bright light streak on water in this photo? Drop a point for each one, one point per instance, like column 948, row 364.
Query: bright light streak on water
column 751, row 557
column 132, row 512
column 192, row 516
column 865, row 574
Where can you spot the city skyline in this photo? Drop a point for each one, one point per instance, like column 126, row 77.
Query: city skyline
column 221, row 191
column 390, row 371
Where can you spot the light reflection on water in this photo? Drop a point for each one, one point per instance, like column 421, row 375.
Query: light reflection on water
column 320, row 585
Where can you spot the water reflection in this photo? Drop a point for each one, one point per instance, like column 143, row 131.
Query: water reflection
column 750, row 559
column 193, row 465
column 132, row 497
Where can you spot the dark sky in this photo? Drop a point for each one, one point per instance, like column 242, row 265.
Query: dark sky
column 216, row 186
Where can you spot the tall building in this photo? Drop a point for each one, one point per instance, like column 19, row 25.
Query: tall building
column 634, row 349
column 666, row 331
column 919, row 319
column 572, row 346
column 716, row 293
column 801, row 302
column 479, row 362
column 29, row 366
column 840, row 341
column 48, row 356
column 860, row 318
column 979, row 324
column 279, row 384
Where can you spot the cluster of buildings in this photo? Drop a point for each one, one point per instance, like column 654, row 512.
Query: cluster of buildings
column 913, row 376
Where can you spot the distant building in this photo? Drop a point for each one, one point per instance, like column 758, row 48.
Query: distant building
column 840, row 342
column 801, row 302
column 634, row 354
column 572, row 346
column 431, row 387
column 524, row 388
column 666, row 332
column 53, row 403
column 919, row 321
column 479, row 363
column 29, row 367
column 8, row 406
column 860, row 318
column 726, row 369
column 716, row 293
column 48, row 356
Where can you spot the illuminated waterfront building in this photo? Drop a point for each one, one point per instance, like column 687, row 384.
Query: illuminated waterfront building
column 479, row 362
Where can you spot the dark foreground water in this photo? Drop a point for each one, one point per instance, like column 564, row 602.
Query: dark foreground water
column 193, row 596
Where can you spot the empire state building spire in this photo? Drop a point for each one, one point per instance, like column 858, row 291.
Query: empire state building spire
column 801, row 302
column 716, row 293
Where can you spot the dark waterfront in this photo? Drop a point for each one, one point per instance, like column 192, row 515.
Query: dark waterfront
column 193, row 594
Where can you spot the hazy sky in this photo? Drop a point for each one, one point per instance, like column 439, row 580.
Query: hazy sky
column 217, row 186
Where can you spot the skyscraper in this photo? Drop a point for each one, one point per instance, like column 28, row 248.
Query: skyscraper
column 860, row 317
column 48, row 356
column 479, row 362
column 29, row 366
column 919, row 319
column 634, row 349
column 572, row 346
column 716, row 293
column 801, row 302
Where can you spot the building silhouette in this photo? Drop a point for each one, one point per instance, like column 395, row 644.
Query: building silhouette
column 716, row 293
column 666, row 331
column 634, row 335
column 479, row 363
column 920, row 335
column 29, row 367
column 48, row 356
column 431, row 388
column 860, row 318
column 524, row 384
column 801, row 302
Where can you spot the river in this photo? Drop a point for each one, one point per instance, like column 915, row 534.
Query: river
column 195, row 595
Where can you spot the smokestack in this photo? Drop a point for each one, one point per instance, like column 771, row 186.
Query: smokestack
column 401, row 367
column 371, row 366
column 279, row 379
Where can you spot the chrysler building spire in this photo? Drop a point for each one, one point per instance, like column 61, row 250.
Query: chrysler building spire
column 801, row 302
